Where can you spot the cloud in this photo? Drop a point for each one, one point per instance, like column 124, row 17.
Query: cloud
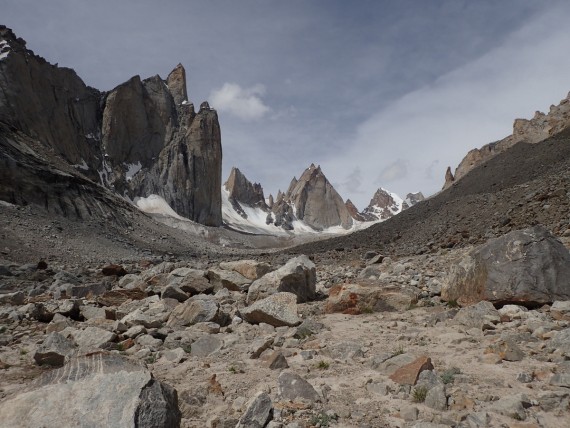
column 394, row 171
column 352, row 184
column 245, row 103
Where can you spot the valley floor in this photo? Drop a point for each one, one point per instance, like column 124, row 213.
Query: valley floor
column 501, row 372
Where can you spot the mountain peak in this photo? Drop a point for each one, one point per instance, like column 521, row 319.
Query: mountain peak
column 315, row 200
column 176, row 82
column 244, row 191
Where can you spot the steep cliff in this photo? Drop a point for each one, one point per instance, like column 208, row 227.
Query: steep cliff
column 141, row 138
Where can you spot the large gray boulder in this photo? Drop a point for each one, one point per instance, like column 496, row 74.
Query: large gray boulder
column 528, row 267
column 196, row 309
column 279, row 309
column 229, row 279
column 297, row 276
column 96, row 390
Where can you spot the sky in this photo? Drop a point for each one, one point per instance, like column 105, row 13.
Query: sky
column 384, row 93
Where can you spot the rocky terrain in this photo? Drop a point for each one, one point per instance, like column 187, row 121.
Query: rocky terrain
column 373, row 341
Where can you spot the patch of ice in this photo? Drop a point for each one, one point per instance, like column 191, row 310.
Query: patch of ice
column 155, row 204
column 185, row 102
column 132, row 169
column 83, row 165
column 4, row 49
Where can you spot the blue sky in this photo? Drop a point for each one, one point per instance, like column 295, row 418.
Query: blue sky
column 379, row 93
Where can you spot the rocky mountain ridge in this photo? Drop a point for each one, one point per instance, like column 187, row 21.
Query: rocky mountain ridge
column 539, row 128
column 310, row 200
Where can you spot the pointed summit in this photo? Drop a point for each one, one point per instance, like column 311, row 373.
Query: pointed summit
column 244, row 191
column 176, row 82
column 382, row 206
column 315, row 201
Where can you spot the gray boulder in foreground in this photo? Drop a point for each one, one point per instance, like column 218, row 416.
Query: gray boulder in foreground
column 96, row 390
column 528, row 267
column 279, row 309
column 297, row 276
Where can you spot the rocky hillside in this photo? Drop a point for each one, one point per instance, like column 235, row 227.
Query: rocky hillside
column 532, row 131
column 141, row 138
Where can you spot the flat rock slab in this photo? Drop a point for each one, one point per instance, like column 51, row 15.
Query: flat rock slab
column 408, row 374
column 194, row 310
column 250, row 269
column 356, row 299
column 92, row 337
column 278, row 310
column 97, row 390
column 206, row 345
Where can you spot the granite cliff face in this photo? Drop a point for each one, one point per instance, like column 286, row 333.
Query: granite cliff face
column 313, row 200
column 242, row 190
column 539, row 128
column 141, row 138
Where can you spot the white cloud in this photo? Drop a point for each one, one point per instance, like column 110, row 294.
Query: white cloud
column 394, row 171
column 245, row 103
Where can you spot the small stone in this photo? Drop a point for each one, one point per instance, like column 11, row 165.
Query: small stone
column 409, row 413
column 135, row 331
column 561, row 379
column 176, row 355
column 276, row 361
column 291, row 386
column 436, row 398
column 524, row 377
column 174, row 292
column 93, row 337
column 408, row 374
column 259, row 345
column 147, row 341
column 113, row 269
column 53, row 350
column 206, row 345
column 92, row 312
column 507, row 350
column 512, row 406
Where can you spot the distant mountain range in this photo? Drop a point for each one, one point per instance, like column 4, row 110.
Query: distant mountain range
column 310, row 204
